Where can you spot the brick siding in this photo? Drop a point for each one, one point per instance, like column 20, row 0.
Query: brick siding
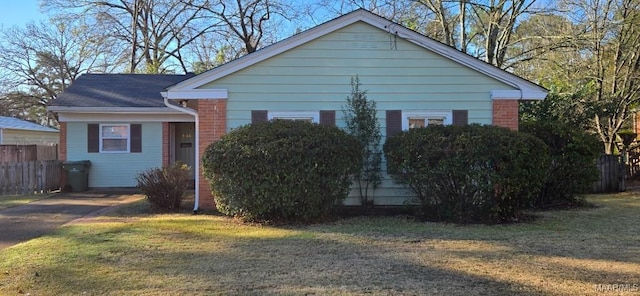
column 212, row 115
column 62, row 152
column 505, row 113
column 165, row 144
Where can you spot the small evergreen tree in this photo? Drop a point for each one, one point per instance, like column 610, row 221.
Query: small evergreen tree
column 362, row 122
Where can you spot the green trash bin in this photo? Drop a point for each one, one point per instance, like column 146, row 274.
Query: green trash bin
column 77, row 174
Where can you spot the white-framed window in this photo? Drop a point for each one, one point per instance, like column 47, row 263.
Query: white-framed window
column 115, row 138
column 310, row 116
column 418, row 119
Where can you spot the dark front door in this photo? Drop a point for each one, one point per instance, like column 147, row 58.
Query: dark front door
column 186, row 144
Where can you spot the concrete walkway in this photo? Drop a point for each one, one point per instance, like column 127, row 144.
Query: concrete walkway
column 22, row 223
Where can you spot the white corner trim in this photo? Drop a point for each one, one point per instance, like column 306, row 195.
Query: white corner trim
column 499, row 94
column 200, row 94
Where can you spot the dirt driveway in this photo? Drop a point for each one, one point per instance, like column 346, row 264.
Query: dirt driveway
column 22, row 223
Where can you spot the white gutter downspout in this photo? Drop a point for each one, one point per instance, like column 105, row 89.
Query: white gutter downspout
column 196, row 168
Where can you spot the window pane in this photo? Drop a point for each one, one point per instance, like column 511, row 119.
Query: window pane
column 416, row 122
column 114, row 144
column 118, row 131
column 307, row 119
column 436, row 120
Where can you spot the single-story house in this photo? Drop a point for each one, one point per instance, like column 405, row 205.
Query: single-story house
column 15, row 131
column 125, row 123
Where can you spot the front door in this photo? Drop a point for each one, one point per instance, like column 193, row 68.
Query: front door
column 186, row 144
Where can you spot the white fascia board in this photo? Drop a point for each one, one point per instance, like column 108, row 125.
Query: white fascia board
column 152, row 110
column 124, row 117
column 267, row 52
column 346, row 20
column 467, row 60
column 199, row 94
column 518, row 95
column 453, row 54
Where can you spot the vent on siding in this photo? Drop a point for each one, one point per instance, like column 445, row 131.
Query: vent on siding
column 259, row 116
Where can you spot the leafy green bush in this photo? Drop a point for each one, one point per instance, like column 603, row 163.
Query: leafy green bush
column 282, row 171
column 165, row 187
column 572, row 169
column 468, row 173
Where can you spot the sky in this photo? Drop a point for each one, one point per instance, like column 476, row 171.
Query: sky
column 19, row 13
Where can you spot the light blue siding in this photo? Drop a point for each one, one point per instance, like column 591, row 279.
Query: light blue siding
column 116, row 169
column 396, row 73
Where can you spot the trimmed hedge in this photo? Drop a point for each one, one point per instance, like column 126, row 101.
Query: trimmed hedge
column 572, row 169
column 468, row 174
column 281, row 171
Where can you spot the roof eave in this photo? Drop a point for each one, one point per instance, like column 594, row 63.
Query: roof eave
column 122, row 110
column 268, row 52
column 346, row 20
column 52, row 130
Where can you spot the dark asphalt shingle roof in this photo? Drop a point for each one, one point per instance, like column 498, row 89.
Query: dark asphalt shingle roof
column 117, row 90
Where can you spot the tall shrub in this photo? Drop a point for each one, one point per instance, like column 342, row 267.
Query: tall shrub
column 165, row 187
column 282, row 171
column 468, row 173
column 362, row 123
column 572, row 169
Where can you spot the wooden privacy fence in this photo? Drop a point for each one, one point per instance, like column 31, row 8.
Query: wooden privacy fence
column 20, row 153
column 29, row 177
column 633, row 165
column 611, row 174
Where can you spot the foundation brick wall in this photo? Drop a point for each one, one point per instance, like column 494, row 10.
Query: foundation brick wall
column 62, row 152
column 165, row 144
column 212, row 116
column 505, row 113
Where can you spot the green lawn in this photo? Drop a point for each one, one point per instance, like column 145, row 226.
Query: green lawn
column 561, row 253
column 8, row 201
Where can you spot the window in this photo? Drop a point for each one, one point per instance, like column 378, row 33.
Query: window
column 114, row 138
column 313, row 117
column 420, row 119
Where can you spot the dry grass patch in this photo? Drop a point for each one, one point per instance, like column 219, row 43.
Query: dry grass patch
column 562, row 253
column 8, row 201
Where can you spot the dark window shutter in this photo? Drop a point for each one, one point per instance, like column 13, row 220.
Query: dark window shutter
column 394, row 122
column 328, row 117
column 93, row 138
column 136, row 138
column 259, row 116
column 460, row 117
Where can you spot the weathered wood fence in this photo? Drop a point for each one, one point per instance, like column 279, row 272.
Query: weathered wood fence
column 633, row 165
column 29, row 177
column 611, row 174
column 20, row 153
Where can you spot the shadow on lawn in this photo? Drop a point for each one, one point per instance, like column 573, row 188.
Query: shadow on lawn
column 393, row 256
column 265, row 267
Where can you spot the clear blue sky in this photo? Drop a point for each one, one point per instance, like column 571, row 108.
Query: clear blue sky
column 19, row 12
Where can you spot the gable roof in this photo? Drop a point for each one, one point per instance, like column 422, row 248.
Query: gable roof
column 116, row 91
column 19, row 124
column 525, row 89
